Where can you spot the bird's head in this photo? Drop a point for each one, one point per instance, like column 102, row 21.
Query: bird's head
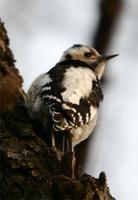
column 88, row 55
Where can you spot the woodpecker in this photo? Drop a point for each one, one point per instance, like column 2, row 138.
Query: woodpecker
column 68, row 96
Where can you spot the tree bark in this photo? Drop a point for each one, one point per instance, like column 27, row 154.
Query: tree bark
column 29, row 169
column 109, row 13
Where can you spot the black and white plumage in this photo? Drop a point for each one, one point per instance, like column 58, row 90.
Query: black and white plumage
column 68, row 95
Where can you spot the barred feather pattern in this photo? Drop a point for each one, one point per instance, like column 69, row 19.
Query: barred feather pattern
column 72, row 96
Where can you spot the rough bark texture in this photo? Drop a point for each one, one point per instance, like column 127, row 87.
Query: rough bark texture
column 29, row 169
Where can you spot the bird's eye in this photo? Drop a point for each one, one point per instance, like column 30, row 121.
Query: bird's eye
column 88, row 54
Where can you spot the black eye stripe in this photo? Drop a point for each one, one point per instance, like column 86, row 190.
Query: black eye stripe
column 87, row 54
column 77, row 46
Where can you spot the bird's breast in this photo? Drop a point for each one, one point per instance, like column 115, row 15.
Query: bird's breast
column 77, row 83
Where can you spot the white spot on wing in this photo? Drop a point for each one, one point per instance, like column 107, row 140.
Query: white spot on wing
column 74, row 119
column 70, row 97
column 51, row 97
column 46, row 88
column 66, row 107
column 83, row 132
column 80, row 118
column 87, row 117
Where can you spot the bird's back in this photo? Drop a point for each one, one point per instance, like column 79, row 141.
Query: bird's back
column 71, row 95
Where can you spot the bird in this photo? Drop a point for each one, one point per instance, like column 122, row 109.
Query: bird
column 66, row 99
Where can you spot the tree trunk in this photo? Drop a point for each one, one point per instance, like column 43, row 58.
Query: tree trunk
column 29, row 169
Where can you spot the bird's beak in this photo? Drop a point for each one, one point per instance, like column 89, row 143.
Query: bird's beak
column 105, row 58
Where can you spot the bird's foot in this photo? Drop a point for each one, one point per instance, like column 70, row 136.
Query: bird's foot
column 59, row 154
column 67, row 142
column 68, row 164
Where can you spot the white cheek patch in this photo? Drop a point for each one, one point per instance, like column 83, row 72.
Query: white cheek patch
column 100, row 70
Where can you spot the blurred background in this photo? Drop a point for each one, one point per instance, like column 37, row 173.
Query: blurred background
column 41, row 30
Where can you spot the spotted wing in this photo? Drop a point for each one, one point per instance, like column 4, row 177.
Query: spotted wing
column 72, row 110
